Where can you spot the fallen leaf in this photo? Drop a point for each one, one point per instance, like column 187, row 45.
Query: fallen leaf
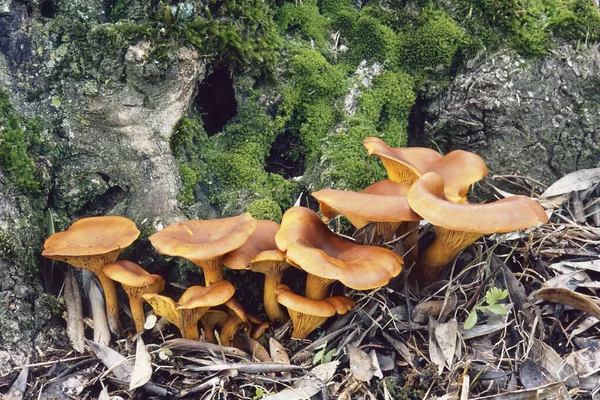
column 326, row 371
column 277, row 351
column 375, row 363
column 19, row 386
column 142, row 369
column 574, row 182
column 445, row 336
column 531, row 375
column 579, row 301
column 120, row 366
column 547, row 358
column 360, row 364
column 538, row 393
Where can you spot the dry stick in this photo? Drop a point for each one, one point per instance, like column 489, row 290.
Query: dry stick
column 195, row 345
column 250, row 368
column 322, row 340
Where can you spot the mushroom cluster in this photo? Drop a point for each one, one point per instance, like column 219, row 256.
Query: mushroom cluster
column 421, row 184
column 432, row 187
column 302, row 241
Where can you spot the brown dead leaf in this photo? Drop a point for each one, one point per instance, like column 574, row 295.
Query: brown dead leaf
column 579, row 301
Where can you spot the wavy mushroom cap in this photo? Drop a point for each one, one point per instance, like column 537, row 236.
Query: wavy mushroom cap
column 426, row 197
column 203, row 240
column 90, row 237
column 262, row 239
column 311, row 246
column 384, row 201
column 403, row 164
column 132, row 275
column 459, row 169
column 165, row 307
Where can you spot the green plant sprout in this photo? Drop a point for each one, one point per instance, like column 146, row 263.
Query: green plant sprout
column 488, row 304
column 322, row 357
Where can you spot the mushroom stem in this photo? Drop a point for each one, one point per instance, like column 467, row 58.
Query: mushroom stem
column 213, row 270
column 316, row 286
column 304, row 324
column 447, row 244
column 387, row 229
column 137, row 313
column 112, row 303
column 272, row 308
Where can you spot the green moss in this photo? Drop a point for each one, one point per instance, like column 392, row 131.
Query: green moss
column 228, row 170
column 433, row 42
column 15, row 162
column 346, row 163
column 387, row 104
column 265, row 209
column 305, row 18
column 372, row 40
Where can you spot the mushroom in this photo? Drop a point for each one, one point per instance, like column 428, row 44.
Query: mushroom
column 136, row 282
column 403, row 164
column 458, row 225
column 90, row 243
column 260, row 254
column 311, row 246
column 384, row 203
column 191, row 306
column 308, row 314
column 204, row 242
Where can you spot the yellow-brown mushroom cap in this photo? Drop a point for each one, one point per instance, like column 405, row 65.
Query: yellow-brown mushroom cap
column 384, row 201
column 311, row 246
column 459, row 169
column 517, row 212
column 401, row 161
column 262, row 239
column 90, row 237
column 199, row 296
column 203, row 240
column 165, row 307
column 327, row 307
column 131, row 275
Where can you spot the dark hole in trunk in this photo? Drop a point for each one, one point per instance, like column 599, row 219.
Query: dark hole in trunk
column 216, row 100
column 47, row 9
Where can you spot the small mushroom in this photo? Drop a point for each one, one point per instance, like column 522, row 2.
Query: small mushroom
column 384, row 203
column 458, row 225
column 260, row 254
column 310, row 245
column 308, row 314
column 136, row 282
column 90, row 243
column 205, row 242
column 191, row 306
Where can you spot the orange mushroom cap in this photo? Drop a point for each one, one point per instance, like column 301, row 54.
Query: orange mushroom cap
column 384, row 201
column 308, row 314
column 204, row 242
column 459, row 169
column 89, row 243
column 310, row 245
column 426, row 197
column 403, row 164
column 263, row 238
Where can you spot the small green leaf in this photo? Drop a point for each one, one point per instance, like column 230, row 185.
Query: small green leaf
column 496, row 309
column 471, row 320
column 494, row 295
